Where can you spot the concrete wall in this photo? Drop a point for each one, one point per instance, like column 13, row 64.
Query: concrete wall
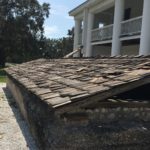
column 101, row 50
column 35, row 112
column 18, row 96
column 130, row 50
column 92, row 128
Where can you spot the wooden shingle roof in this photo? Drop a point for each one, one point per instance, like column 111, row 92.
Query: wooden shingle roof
column 63, row 82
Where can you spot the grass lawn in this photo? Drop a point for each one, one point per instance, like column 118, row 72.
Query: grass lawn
column 2, row 75
column 2, row 79
column 2, row 72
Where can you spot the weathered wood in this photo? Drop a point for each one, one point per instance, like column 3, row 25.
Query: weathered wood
column 91, row 99
column 72, row 53
column 114, row 83
column 98, row 80
column 81, row 81
column 71, row 92
column 49, row 96
column 57, row 101
column 41, row 91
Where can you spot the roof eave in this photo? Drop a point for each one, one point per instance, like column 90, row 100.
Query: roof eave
column 86, row 4
column 79, row 8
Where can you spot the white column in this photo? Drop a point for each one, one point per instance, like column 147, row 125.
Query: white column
column 89, row 34
column 118, row 17
column 145, row 33
column 77, row 30
column 84, row 33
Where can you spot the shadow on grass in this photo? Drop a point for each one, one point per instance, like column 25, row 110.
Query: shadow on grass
column 21, row 122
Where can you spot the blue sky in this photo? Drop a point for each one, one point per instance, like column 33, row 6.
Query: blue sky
column 58, row 23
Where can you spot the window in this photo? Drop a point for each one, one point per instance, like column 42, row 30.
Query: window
column 127, row 14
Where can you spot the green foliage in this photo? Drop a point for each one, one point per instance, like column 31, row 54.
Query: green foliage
column 21, row 30
column 21, row 33
column 58, row 48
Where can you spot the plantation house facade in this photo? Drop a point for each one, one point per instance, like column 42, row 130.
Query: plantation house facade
column 112, row 27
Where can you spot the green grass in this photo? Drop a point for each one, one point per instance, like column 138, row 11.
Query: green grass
column 2, row 79
column 2, row 75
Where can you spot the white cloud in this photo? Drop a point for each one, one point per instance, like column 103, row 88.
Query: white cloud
column 69, row 17
column 59, row 10
column 51, row 31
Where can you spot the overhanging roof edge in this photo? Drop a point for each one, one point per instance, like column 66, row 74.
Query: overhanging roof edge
column 86, row 4
column 78, row 8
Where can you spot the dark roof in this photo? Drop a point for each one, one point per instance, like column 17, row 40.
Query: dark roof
column 60, row 82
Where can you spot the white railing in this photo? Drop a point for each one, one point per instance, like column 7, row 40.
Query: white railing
column 101, row 34
column 131, row 27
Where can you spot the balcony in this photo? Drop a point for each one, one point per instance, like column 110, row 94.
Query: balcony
column 101, row 34
column 130, row 27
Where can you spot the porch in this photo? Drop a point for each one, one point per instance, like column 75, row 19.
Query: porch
column 103, row 23
column 129, row 28
column 109, row 22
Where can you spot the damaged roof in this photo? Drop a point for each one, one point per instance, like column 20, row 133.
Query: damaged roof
column 62, row 82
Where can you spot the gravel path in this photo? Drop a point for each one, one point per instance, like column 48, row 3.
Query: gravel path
column 14, row 132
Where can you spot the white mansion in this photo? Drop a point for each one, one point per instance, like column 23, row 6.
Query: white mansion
column 112, row 27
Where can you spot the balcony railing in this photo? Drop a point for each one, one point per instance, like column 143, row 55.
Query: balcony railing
column 101, row 34
column 131, row 27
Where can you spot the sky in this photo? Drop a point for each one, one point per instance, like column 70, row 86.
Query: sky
column 59, row 21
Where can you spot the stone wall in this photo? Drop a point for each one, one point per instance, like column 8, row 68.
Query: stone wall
column 98, row 128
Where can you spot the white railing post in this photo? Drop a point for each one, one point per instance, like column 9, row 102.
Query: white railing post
column 84, row 32
column 128, row 28
column 76, row 36
column 118, row 17
column 145, row 33
column 89, row 34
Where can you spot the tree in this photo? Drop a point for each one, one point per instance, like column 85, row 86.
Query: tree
column 71, row 33
column 21, row 29
column 58, row 48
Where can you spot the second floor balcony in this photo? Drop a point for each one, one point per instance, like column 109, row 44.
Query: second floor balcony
column 130, row 27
